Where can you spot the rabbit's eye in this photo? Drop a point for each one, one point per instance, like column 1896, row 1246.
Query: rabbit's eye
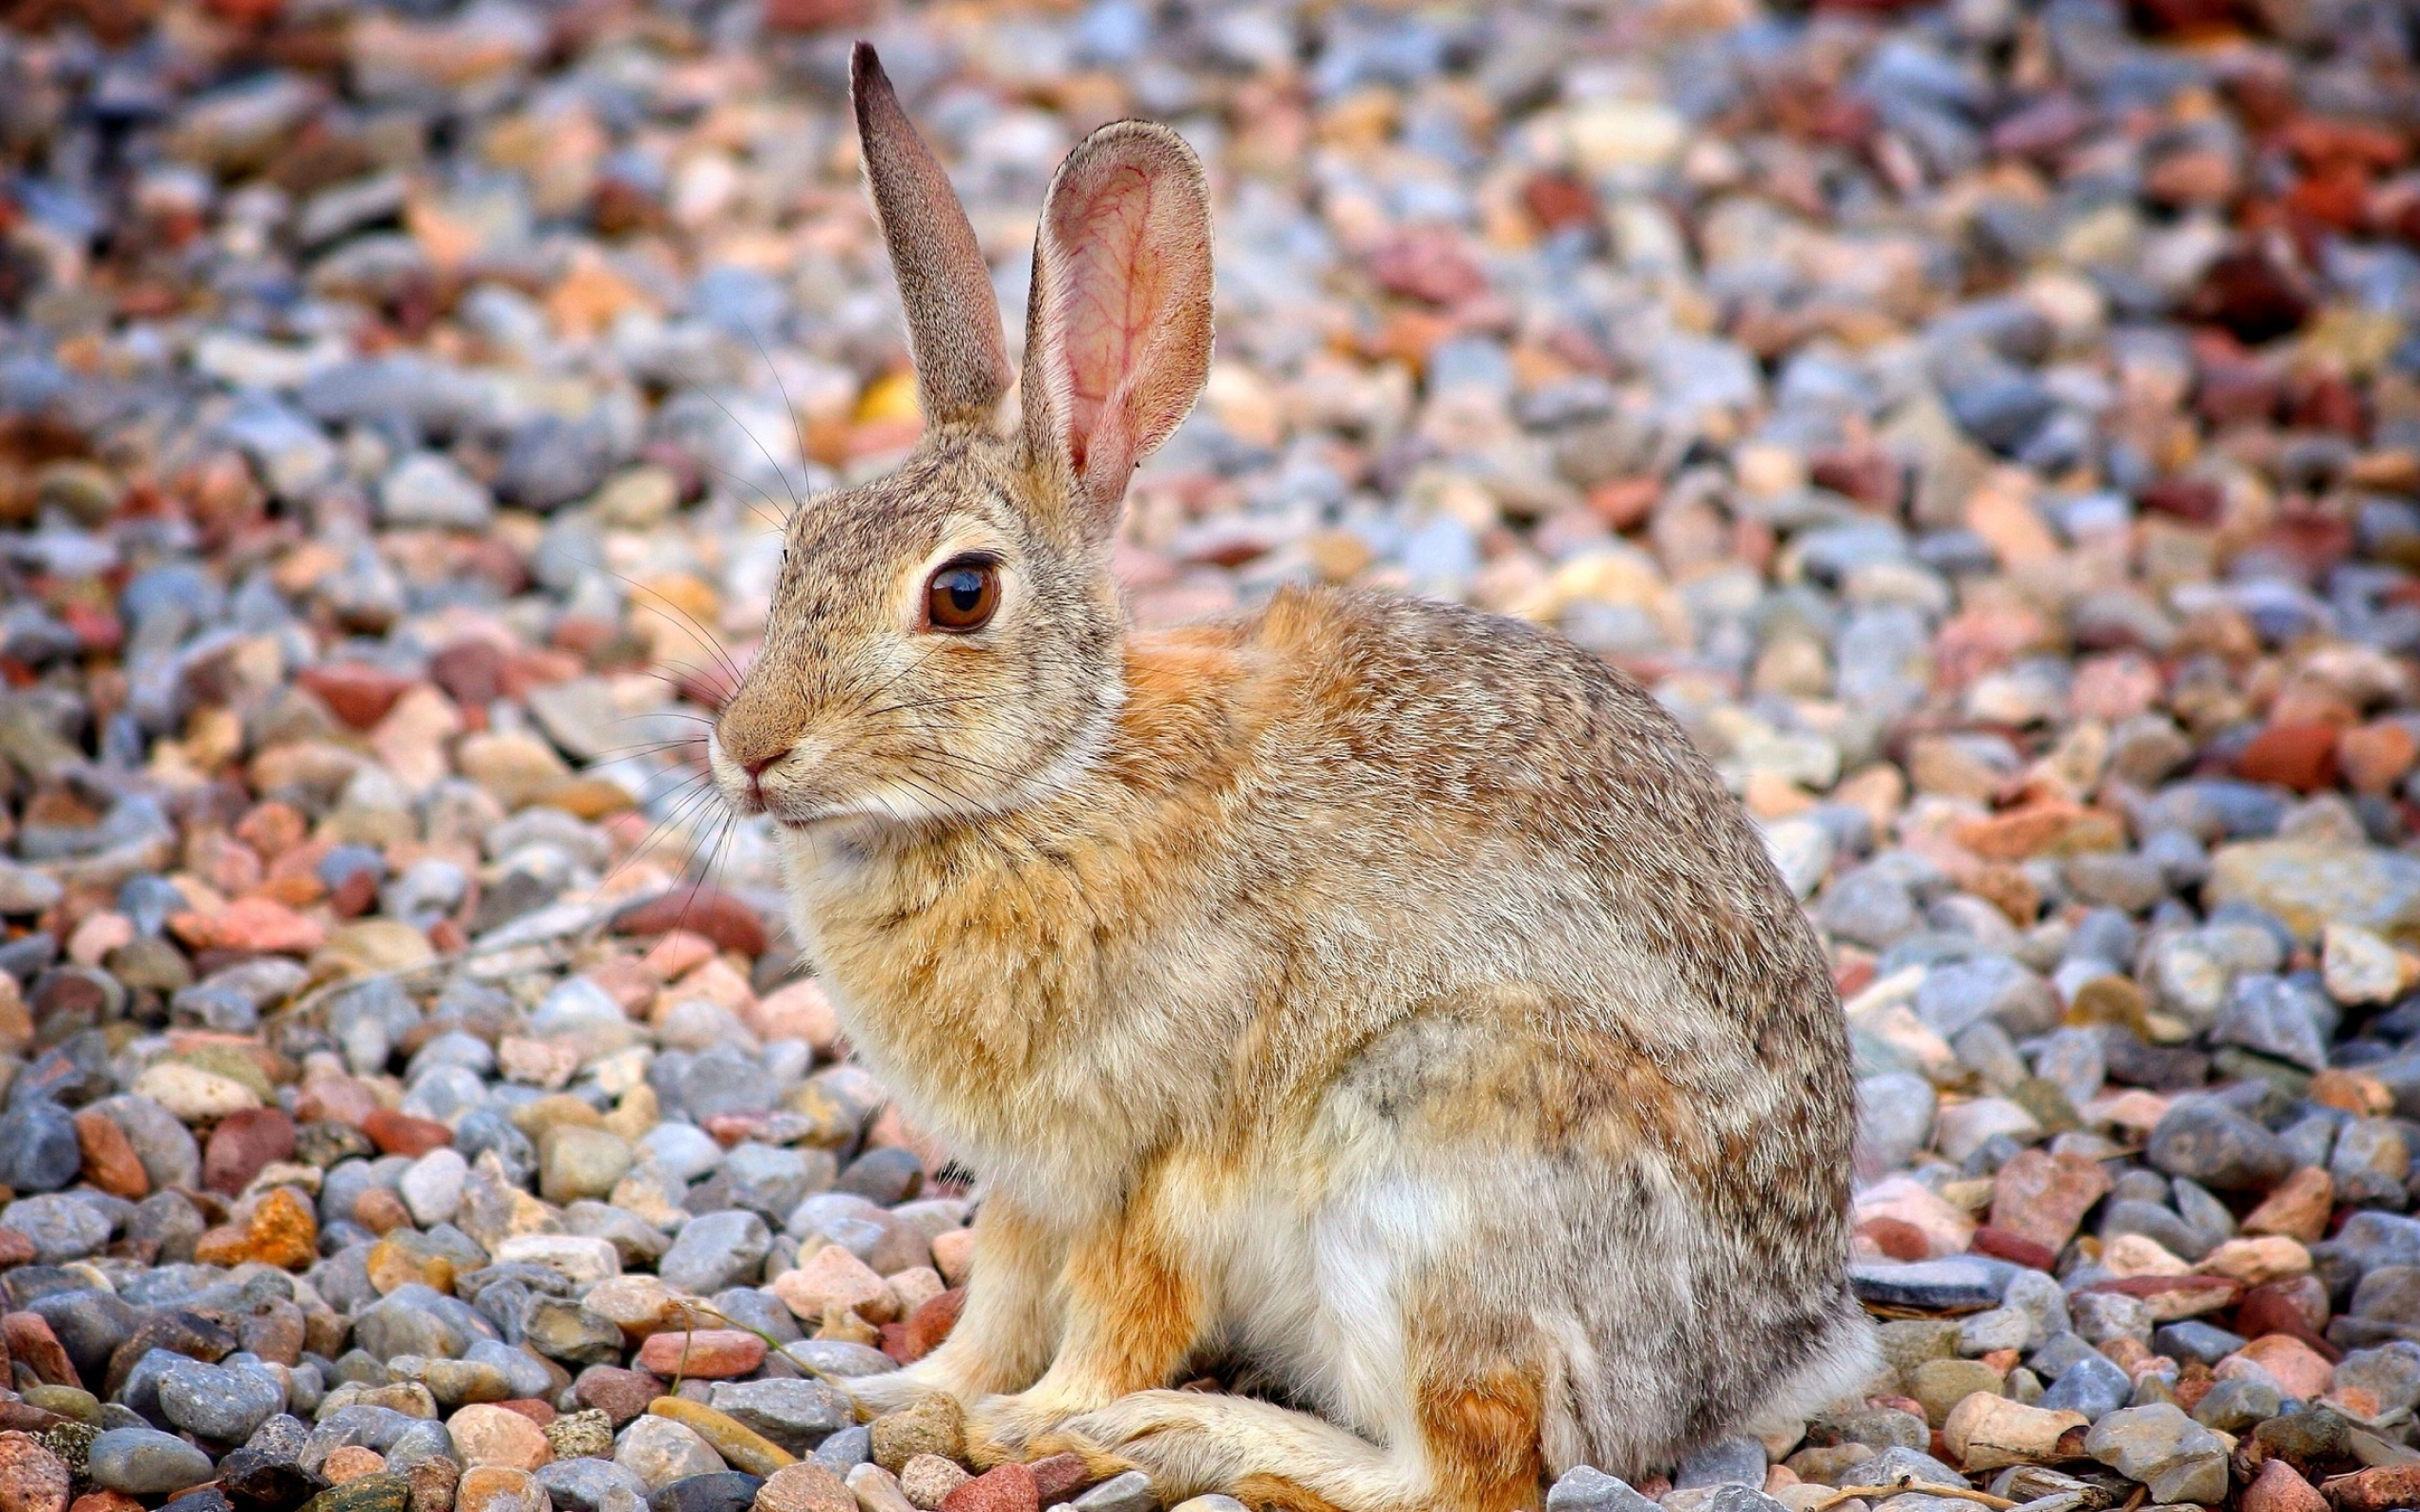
column 962, row 596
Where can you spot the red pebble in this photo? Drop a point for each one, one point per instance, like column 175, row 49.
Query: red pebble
column 1009, row 1488
column 2302, row 757
column 2001, row 1245
column 360, row 696
column 243, row 1142
column 932, row 1321
column 731, row 923
column 402, row 1134
column 32, row 1345
column 1059, row 1477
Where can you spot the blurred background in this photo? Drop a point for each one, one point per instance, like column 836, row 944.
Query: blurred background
column 1989, row 426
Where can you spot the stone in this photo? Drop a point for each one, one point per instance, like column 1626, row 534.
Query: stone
column 485, row 1434
column 933, row 1426
column 928, row 1481
column 592, row 1486
column 2298, row 1209
column 218, row 1403
column 282, row 1232
column 145, row 1462
column 351, row 1463
column 2377, row 1489
column 705, row 1352
column 2176, row 1457
column 2310, row 885
column 2043, row 1197
column 586, row 1434
column 739, row 1446
column 660, row 1450
column 33, row 1479
column 385, row 1492
column 2358, row 967
column 715, row 1250
column 2279, row 1488
column 108, row 1158
column 716, row 915
column 580, row 1162
column 806, row 1486
column 830, row 1277
column 2219, row 1148
column 796, row 1413
column 1940, row 1386
column 1986, row 1431
column 500, row 1489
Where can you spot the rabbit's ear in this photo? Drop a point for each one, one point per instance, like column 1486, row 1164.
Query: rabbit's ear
column 953, row 315
column 1117, row 335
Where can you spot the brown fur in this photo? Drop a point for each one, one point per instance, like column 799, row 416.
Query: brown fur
column 1380, row 995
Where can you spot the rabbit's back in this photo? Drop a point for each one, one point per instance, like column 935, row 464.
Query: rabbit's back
column 1463, row 804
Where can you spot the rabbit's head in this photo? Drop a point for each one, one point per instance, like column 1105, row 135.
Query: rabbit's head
column 945, row 641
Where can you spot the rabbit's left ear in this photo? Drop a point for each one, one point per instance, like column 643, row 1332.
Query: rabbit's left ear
column 953, row 315
column 1117, row 335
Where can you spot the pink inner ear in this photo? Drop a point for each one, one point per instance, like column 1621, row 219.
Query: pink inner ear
column 1113, row 290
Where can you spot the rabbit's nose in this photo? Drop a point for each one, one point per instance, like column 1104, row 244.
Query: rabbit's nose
column 755, row 770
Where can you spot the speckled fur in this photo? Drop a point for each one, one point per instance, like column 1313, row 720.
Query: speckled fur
column 1377, row 995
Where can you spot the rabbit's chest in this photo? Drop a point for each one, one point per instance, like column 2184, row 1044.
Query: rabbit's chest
column 1042, row 1043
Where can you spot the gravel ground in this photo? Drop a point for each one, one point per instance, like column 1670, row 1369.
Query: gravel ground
column 1993, row 429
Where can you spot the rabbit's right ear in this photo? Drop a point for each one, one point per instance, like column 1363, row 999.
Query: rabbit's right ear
column 1118, row 334
column 953, row 315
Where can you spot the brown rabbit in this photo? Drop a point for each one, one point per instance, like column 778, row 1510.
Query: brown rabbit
column 1376, row 995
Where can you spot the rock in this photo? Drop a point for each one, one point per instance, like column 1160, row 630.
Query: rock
column 33, row 1479
column 214, row 1401
column 485, row 1436
column 728, row 1491
column 933, row 1426
column 620, row 1394
column 1010, row 1487
column 2377, row 1489
column 796, row 1413
column 1132, row 1492
column 715, row 1250
column 928, row 1481
column 384, row 1492
column 143, row 1461
column 592, row 1486
column 830, row 1278
column 1940, row 1386
column 660, row 1450
column 38, row 1149
column 2278, row 1488
column 2358, row 967
column 500, row 1489
column 737, row 1444
column 1986, row 1431
column 718, row 916
column 807, row 1486
column 2176, row 1457
column 704, row 1353
column 2043, row 1197
column 2310, row 886
column 428, row 489
column 2219, row 1148
column 587, row 1434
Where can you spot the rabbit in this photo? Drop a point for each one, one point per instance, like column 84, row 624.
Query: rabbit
column 1378, row 994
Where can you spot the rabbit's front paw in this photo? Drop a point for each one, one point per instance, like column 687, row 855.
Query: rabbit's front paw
column 890, row 1392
